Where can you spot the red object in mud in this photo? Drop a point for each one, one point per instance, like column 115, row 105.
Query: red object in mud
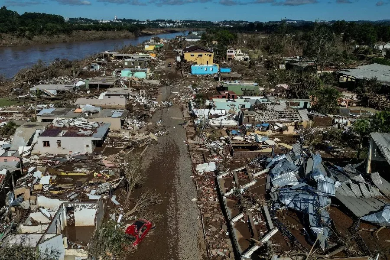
column 138, row 230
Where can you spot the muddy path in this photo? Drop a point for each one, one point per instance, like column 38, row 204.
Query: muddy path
column 178, row 232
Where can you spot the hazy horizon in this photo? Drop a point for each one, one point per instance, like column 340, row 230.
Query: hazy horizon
column 209, row 10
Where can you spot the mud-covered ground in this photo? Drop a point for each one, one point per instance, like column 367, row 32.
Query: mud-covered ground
column 178, row 233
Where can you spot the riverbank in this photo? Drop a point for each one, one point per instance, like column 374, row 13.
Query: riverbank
column 8, row 40
column 15, row 58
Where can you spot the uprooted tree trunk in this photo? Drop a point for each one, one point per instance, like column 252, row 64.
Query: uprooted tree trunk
column 133, row 173
column 145, row 200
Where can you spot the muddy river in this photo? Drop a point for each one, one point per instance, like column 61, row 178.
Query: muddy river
column 13, row 59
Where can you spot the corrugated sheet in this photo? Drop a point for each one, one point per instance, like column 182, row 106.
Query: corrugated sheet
column 382, row 140
column 381, row 217
column 46, row 111
column 381, row 183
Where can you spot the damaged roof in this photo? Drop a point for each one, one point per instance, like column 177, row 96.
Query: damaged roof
column 378, row 71
column 24, row 134
column 382, row 140
column 195, row 48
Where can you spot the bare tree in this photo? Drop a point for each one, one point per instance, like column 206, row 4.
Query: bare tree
column 143, row 202
column 133, row 173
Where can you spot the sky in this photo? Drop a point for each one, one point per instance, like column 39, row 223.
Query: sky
column 209, row 10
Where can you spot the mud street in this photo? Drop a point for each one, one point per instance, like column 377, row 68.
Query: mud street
column 178, row 233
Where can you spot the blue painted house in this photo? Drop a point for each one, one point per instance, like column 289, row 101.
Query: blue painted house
column 204, row 69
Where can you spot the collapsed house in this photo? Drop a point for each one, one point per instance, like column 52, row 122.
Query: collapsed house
column 59, row 229
column 113, row 102
column 52, row 90
column 254, row 200
column 114, row 117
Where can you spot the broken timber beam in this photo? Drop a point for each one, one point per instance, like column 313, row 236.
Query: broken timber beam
column 268, row 217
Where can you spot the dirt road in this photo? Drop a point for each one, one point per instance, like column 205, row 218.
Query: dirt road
column 178, row 233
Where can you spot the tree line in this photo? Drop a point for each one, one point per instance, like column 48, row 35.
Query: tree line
column 31, row 24
column 363, row 33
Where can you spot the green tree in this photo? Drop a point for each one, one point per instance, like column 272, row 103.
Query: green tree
column 362, row 127
column 326, row 100
column 8, row 129
column 20, row 251
column 109, row 242
column 381, row 122
column 200, row 100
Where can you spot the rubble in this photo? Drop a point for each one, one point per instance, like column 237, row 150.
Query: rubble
column 263, row 188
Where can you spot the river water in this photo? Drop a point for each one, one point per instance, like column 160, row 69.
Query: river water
column 13, row 59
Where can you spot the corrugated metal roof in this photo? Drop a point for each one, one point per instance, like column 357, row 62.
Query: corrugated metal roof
column 381, row 217
column 361, row 206
column 378, row 71
column 382, row 140
column 101, row 131
column 382, row 184
column 46, row 111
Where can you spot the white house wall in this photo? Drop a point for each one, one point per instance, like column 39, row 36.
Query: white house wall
column 84, row 214
column 47, row 203
column 33, row 229
column 39, row 217
column 59, row 222
column 68, row 145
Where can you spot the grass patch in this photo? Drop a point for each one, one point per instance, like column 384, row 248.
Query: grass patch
column 6, row 102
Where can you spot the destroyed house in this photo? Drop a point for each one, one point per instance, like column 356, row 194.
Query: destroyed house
column 67, row 136
column 10, row 163
column 226, row 94
column 26, row 136
column 298, row 103
column 242, row 89
column 193, row 38
column 379, row 154
column 236, row 54
column 114, row 102
column 233, row 105
column 100, row 82
column 378, row 71
column 51, row 90
column 124, row 56
column 64, row 232
column 113, row 117
column 136, row 63
column 121, row 92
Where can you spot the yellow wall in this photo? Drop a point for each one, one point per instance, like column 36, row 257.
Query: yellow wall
column 205, row 59
column 149, row 47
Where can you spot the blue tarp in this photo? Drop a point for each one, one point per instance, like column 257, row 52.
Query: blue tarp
column 225, row 70
column 235, row 132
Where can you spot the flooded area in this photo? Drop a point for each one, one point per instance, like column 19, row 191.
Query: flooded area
column 13, row 59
